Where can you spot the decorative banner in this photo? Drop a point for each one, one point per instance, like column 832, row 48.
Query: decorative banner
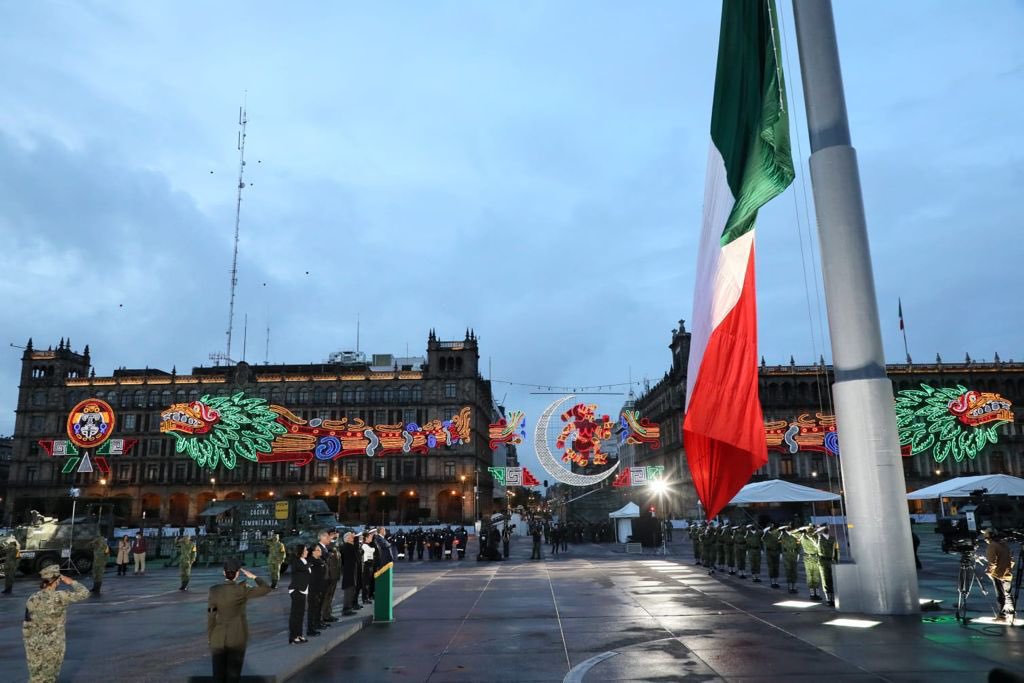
column 90, row 423
column 513, row 476
column 638, row 476
column 583, row 435
column 807, row 433
column 58, row 447
column 637, row 430
column 949, row 421
column 508, row 431
column 217, row 430
column 117, row 447
column 547, row 459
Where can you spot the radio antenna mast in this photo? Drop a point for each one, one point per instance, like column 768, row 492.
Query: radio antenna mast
column 242, row 121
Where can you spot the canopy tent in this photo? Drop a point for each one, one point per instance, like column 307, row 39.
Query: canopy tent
column 624, row 521
column 216, row 509
column 961, row 487
column 778, row 491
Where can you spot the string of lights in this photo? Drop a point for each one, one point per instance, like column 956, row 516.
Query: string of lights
column 570, row 388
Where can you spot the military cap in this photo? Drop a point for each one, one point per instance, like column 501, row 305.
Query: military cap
column 232, row 565
column 50, row 572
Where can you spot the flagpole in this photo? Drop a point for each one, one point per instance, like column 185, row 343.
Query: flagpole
column 882, row 578
column 903, row 329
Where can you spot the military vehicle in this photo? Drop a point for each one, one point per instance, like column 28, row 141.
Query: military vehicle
column 47, row 540
column 288, row 517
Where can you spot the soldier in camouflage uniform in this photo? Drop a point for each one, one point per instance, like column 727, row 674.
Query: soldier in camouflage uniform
column 275, row 558
column 829, row 556
column 812, row 559
column 100, row 550
column 43, row 628
column 720, row 542
column 772, row 549
column 790, row 550
column 186, row 558
column 740, row 550
column 754, row 551
column 693, row 531
column 729, row 536
column 10, row 564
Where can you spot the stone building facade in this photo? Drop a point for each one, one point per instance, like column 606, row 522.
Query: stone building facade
column 789, row 391
column 153, row 482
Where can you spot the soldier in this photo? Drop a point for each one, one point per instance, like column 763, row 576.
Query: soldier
column 186, row 557
column 100, row 550
column 740, row 548
column 275, row 558
column 829, row 556
column 227, row 629
column 10, row 564
column 43, row 628
column 790, row 544
column 772, row 549
column 462, row 536
column 709, row 548
column 729, row 544
column 506, row 537
column 694, row 533
column 754, row 551
column 812, row 559
column 420, row 543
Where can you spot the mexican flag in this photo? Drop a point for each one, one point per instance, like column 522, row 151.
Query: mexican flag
column 748, row 164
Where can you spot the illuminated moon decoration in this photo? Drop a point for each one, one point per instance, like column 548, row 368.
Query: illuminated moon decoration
column 218, row 430
column 547, row 459
column 951, row 421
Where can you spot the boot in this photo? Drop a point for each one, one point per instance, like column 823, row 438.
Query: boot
column 814, row 595
column 184, row 586
column 273, row 585
column 96, row 588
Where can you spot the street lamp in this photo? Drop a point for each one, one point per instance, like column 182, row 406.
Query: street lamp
column 660, row 487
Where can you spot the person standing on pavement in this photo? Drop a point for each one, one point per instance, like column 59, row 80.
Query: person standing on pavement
column 772, row 550
column 298, row 590
column 139, row 553
column 1000, row 570
column 317, row 582
column 186, row 558
column 811, row 551
column 45, row 618
column 100, row 551
column 227, row 629
column 537, row 537
column 790, row 545
column 369, row 551
column 350, row 570
column 275, row 558
column 124, row 553
column 10, row 564
column 332, row 564
column 506, row 538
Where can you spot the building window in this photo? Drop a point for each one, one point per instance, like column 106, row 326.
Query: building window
column 346, row 396
column 786, row 466
column 352, row 471
column 293, row 473
column 291, row 396
column 275, row 396
column 417, row 394
column 264, row 472
column 154, row 397
column 39, row 398
column 408, row 415
column 152, row 472
column 360, row 395
column 318, row 396
column 332, row 396
column 303, row 396
column 193, row 395
column 180, row 472
column 124, row 473
column 380, row 471
column 447, row 414
column 30, row 475
column 389, row 395
column 449, row 469
column 153, row 447
column 321, row 471
column 449, row 390
column 180, row 396
column 140, row 398
column 403, row 394
column 408, row 470
column 380, row 417
column 166, row 398
column 375, row 395
column 38, row 424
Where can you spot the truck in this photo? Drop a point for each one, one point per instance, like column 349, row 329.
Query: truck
column 47, row 540
column 288, row 517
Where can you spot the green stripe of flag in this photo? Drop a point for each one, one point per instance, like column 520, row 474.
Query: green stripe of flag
column 749, row 123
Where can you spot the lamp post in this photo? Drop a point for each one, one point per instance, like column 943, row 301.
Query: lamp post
column 338, row 492
column 462, row 511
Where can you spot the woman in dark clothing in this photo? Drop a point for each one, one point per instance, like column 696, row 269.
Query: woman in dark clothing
column 298, row 589
column 350, row 572
column 317, row 583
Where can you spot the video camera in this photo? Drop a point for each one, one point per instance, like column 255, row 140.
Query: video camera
column 984, row 512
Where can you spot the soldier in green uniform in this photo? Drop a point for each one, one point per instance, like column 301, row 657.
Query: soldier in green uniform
column 828, row 557
column 186, row 558
column 730, row 549
column 772, row 549
column 100, row 550
column 43, row 628
column 693, row 531
column 720, row 542
column 740, row 549
column 275, row 558
column 10, row 564
column 754, row 551
column 227, row 628
column 790, row 550
column 812, row 559
column 709, row 547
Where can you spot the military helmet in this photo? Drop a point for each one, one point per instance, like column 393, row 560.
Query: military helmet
column 49, row 572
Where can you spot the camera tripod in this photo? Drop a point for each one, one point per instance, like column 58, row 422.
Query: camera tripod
column 965, row 581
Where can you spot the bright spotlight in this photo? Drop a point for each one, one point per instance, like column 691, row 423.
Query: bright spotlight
column 659, row 486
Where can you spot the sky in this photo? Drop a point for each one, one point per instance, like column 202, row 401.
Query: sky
column 531, row 170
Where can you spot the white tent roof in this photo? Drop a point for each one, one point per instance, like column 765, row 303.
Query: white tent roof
column 961, row 487
column 778, row 491
column 627, row 510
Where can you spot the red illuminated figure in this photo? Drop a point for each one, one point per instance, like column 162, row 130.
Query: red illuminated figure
column 583, row 433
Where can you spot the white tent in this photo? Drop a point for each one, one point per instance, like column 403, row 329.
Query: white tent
column 961, row 487
column 624, row 521
column 778, row 491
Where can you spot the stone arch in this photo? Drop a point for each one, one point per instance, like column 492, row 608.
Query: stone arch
column 177, row 510
column 234, row 495
column 265, row 495
column 449, row 506
column 203, row 500
column 150, row 505
column 409, row 507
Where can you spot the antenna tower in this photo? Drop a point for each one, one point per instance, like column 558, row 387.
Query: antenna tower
column 242, row 121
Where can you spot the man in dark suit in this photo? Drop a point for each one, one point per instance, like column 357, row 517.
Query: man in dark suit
column 332, row 563
column 384, row 551
column 317, row 583
column 350, row 571
column 227, row 629
column 298, row 591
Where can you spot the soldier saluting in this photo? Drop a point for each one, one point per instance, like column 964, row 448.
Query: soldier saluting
column 43, row 628
column 10, row 564
column 275, row 558
column 186, row 557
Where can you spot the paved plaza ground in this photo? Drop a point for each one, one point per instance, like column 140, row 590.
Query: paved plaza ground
column 591, row 614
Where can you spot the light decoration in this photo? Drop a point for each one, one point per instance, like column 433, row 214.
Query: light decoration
column 219, row 430
column 89, row 426
column 547, row 459
column 638, row 476
column 634, row 429
column 513, row 476
column 806, row 433
column 90, row 423
column 511, row 430
column 582, row 436
column 949, row 421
